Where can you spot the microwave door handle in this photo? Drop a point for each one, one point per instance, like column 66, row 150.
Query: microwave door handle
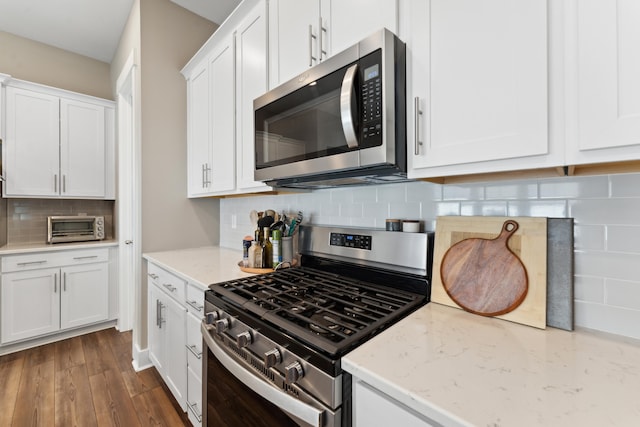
column 347, row 93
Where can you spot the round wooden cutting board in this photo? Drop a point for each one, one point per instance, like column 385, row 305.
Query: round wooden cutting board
column 484, row 276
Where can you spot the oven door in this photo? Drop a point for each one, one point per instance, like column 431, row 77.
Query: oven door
column 235, row 396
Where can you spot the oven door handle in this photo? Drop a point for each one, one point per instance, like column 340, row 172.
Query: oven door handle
column 297, row 408
column 347, row 94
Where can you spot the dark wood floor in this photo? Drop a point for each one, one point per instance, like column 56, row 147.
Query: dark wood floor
column 84, row 381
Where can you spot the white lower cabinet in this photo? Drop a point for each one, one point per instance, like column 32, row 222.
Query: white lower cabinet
column 175, row 342
column 372, row 408
column 45, row 293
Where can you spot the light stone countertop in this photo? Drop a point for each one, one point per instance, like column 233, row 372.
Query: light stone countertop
column 201, row 266
column 458, row 368
column 26, row 248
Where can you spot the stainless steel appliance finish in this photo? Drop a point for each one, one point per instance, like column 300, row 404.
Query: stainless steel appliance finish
column 341, row 122
column 283, row 333
column 79, row 228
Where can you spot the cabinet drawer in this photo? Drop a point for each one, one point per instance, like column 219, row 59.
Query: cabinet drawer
column 194, row 344
column 169, row 283
column 195, row 300
column 194, row 398
column 53, row 259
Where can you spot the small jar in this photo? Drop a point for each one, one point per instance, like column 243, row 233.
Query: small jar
column 411, row 226
column 393, row 225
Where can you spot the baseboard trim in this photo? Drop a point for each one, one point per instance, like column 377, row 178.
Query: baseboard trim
column 141, row 359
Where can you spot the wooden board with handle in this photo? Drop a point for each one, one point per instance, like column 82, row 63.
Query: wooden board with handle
column 503, row 260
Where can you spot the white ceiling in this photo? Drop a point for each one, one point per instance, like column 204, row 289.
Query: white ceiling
column 88, row 27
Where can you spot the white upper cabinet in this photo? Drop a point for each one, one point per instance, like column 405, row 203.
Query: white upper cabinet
column 251, row 82
column 223, row 79
column 303, row 33
column 603, row 81
column 57, row 144
column 478, row 87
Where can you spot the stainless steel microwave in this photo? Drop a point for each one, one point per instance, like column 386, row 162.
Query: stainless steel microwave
column 80, row 228
column 342, row 122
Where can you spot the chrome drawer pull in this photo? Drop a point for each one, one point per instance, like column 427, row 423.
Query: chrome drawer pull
column 193, row 407
column 192, row 349
column 153, row 276
column 31, row 263
column 195, row 305
column 78, row 258
column 169, row 287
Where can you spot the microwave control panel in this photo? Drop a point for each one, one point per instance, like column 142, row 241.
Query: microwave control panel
column 356, row 241
column 371, row 88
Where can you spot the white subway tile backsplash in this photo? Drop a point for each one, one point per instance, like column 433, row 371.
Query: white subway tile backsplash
column 468, row 192
column 601, row 317
column 606, row 210
column 515, row 191
column 575, row 187
column 588, row 288
column 589, row 237
column 622, row 293
column 538, row 208
column 625, row 185
column 623, row 238
column 613, row 265
column 483, row 208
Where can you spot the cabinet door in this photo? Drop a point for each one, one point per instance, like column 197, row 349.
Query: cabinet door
column 251, row 82
column 293, row 30
column 175, row 368
column 604, row 39
column 198, row 131
column 156, row 326
column 479, row 74
column 85, row 295
column 30, row 302
column 350, row 21
column 82, row 149
column 221, row 75
column 32, row 144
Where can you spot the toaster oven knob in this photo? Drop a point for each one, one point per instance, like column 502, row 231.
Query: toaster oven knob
column 222, row 325
column 272, row 358
column 243, row 339
column 211, row 317
column 293, row 372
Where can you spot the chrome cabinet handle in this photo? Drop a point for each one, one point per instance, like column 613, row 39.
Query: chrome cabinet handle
column 55, row 182
column 347, row 94
column 55, row 283
column 416, row 123
column 322, row 30
column 195, row 305
column 193, row 407
column 192, row 349
column 159, row 319
column 153, row 276
column 312, row 37
column 64, row 183
column 129, row 242
column 64, row 282
column 79, row 258
column 203, row 175
column 169, row 286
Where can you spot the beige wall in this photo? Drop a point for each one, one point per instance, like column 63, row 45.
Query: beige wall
column 40, row 63
column 170, row 35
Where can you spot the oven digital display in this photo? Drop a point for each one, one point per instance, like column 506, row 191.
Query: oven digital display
column 356, row 241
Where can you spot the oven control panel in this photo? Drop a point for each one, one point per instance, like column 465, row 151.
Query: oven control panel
column 357, row 241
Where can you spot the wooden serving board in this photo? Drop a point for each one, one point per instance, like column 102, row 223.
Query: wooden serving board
column 528, row 243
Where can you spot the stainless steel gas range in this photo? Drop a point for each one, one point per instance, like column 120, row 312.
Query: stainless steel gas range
column 274, row 341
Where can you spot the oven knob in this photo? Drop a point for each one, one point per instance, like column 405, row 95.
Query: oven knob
column 222, row 325
column 243, row 339
column 272, row 358
column 293, row 372
column 211, row 317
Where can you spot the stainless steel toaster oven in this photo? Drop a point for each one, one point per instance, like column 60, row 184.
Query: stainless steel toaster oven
column 77, row 228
